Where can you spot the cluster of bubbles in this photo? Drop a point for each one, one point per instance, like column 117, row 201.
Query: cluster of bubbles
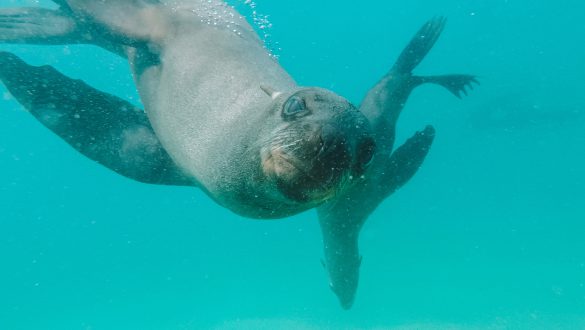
column 263, row 24
column 220, row 13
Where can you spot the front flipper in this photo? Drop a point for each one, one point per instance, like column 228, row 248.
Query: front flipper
column 102, row 127
column 38, row 26
column 53, row 27
column 129, row 22
column 112, row 25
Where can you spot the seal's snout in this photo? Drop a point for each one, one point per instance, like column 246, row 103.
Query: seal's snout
column 314, row 167
column 320, row 164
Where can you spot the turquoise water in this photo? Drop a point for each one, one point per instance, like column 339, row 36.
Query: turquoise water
column 488, row 235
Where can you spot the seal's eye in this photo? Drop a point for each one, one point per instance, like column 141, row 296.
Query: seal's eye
column 294, row 107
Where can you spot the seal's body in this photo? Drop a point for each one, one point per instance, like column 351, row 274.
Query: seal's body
column 204, row 83
column 205, row 103
column 222, row 115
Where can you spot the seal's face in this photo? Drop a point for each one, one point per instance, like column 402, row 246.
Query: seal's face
column 322, row 142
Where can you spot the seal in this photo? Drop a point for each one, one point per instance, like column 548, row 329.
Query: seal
column 204, row 87
column 221, row 114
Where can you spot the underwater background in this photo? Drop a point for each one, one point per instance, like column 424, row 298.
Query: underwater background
column 490, row 234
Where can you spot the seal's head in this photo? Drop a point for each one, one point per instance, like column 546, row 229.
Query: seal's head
column 319, row 144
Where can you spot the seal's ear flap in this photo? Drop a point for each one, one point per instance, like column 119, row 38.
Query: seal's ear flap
column 273, row 93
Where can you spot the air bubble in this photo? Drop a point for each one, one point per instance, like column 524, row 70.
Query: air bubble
column 221, row 14
column 263, row 25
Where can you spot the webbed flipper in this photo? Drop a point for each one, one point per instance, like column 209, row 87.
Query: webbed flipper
column 135, row 23
column 112, row 25
column 420, row 45
column 384, row 102
column 41, row 26
column 457, row 84
column 406, row 160
column 38, row 26
column 101, row 126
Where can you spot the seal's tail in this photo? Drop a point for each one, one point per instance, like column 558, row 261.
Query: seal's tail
column 420, row 45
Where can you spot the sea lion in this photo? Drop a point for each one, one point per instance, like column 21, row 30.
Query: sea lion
column 222, row 115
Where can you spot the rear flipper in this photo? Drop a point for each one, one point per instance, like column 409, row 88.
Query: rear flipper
column 457, row 84
column 418, row 48
column 384, row 102
column 102, row 127
column 420, row 45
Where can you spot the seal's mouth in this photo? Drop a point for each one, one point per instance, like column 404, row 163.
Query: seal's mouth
column 314, row 176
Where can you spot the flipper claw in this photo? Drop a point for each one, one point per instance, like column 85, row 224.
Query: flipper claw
column 458, row 84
